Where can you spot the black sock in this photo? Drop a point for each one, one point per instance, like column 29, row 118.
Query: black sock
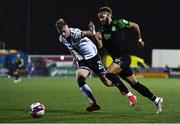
column 144, row 91
column 153, row 98
column 17, row 76
column 117, row 82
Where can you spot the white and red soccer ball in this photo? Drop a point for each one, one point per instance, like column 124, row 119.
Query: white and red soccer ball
column 37, row 110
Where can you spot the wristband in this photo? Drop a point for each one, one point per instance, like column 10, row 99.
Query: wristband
column 94, row 32
column 140, row 39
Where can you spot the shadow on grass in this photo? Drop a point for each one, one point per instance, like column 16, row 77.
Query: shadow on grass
column 68, row 111
column 14, row 109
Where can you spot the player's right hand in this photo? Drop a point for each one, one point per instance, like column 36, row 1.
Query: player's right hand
column 91, row 27
column 75, row 63
column 140, row 43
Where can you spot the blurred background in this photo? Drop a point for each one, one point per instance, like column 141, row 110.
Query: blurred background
column 27, row 28
column 29, row 25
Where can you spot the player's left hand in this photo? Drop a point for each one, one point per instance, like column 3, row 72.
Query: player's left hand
column 75, row 63
column 140, row 43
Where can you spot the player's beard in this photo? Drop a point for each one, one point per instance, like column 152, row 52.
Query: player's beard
column 106, row 22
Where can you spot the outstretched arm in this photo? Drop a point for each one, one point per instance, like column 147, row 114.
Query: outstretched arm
column 136, row 29
column 87, row 33
column 98, row 39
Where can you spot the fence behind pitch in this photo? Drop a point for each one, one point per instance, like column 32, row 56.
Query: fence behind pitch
column 52, row 65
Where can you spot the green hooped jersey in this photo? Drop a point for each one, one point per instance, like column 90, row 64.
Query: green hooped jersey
column 113, row 35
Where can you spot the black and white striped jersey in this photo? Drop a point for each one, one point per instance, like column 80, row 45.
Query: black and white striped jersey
column 81, row 48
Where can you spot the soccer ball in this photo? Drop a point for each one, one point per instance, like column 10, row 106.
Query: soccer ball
column 37, row 110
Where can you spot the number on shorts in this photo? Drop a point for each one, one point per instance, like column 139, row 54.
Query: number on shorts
column 100, row 64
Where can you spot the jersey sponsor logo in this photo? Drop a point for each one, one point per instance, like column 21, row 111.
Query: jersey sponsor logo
column 107, row 36
column 73, row 42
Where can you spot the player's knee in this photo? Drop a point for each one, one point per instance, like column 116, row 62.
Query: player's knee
column 106, row 81
column 15, row 73
column 81, row 81
column 108, row 84
column 112, row 78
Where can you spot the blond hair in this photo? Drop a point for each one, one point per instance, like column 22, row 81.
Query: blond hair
column 105, row 9
column 60, row 24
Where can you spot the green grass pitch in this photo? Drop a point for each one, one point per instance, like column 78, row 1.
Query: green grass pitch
column 65, row 103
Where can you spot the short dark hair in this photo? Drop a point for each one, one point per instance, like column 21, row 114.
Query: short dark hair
column 60, row 24
column 105, row 9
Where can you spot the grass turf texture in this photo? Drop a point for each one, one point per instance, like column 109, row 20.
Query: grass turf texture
column 65, row 103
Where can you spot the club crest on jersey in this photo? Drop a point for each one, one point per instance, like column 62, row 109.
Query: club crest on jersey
column 107, row 36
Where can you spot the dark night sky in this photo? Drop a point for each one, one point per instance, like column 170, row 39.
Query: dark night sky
column 36, row 34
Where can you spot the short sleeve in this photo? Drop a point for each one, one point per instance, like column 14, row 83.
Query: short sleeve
column 122, row 23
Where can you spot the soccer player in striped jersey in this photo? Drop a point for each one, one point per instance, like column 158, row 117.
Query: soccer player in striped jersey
column 86, row 55
column 111, row 38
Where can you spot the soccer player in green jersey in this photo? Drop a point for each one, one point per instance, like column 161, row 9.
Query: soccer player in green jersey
column 110, row 37
column 87, row 59
column 19, row 63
